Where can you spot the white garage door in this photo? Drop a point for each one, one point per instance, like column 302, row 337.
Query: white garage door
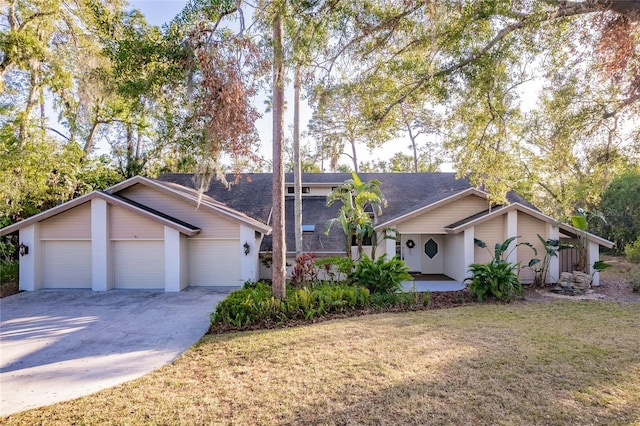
column 138, row 264
column 214, row 262
column 67, row 264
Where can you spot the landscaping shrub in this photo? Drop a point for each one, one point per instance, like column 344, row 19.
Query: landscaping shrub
column 496, row 278
column 632, row 251
column 336, row 268
column 400, row 300
column 255, row 304
column 252, row 304
column 9, row 271
column 634, row 282
column 381, row 275
column 304, row 271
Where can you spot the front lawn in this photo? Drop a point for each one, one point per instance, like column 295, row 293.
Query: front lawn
column 563, row 362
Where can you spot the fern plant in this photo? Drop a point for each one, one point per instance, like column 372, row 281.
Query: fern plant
column 381, row 275
column 499, row 277
column 496, row 278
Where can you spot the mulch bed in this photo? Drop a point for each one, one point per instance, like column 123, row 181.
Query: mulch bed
column 7, row 289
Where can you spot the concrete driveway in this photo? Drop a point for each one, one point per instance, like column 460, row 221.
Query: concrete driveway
column 59, row 345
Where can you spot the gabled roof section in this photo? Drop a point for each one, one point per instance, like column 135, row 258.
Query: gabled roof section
column 486, row 215
column 436, row 203
column 188, row 193
column 171, row 222
column 154, row 212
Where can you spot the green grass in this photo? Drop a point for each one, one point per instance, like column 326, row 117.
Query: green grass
column 565, row 362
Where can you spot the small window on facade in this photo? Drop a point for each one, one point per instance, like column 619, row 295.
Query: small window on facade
column 308, row 228
column 431, row 248
column 292, row 190
column 366, row 241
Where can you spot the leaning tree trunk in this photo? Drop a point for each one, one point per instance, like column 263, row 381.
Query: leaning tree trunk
column 278, row 235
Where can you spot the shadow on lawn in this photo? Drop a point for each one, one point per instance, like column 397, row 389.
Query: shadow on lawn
column 560, row 377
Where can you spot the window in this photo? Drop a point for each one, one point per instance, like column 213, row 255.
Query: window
column 292, row 190
column 366, row 241
column 308, row 228
column 431, row 248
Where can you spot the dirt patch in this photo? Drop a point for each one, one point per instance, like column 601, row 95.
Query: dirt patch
column 7, row 289
column 618, row 291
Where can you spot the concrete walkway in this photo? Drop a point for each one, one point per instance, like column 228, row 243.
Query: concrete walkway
column 422, row 286
column 59, row 345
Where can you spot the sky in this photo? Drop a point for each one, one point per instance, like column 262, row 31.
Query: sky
column 158, row 12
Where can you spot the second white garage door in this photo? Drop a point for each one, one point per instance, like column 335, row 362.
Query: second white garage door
column 214, row 262
column 138, row 264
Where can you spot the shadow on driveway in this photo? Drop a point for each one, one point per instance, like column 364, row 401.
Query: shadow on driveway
column 59, row 345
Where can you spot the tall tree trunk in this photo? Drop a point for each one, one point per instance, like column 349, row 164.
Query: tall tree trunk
column 88, row 145
column 279, row 243
column 354, row 156
column 413, row 146
column 43, row 115
column 297, row 166
column 23, row 132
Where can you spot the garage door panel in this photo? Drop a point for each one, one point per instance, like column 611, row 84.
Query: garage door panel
column 214, row 262
column 67, row 264
column 138, row 264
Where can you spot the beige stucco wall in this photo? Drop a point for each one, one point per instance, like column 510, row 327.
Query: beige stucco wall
column 454, row 265
column 528, row 229
column 212, row 224
column 434, row 221
column 74, row 224
column 127, row 225
column 491, row 232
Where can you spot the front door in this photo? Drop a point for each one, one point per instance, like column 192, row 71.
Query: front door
column 431, row 254
column 410, row 247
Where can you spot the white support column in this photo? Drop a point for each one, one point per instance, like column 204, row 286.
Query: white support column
column 184, row 262
column 389, row 245
column 248, row 262
column 512, row 231
column 31, row 263
column 593, row 255
column 101, row 266
column 553, row 233
column 469, row 250
column 174, row 269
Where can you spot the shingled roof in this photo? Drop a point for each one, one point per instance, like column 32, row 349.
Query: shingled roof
column 405, row 193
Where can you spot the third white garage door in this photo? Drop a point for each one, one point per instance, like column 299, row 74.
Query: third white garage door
column 214, row 262
column 138, row 264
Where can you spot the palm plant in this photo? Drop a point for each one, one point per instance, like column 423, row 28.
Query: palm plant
column 499, row 277
column 356, row 196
